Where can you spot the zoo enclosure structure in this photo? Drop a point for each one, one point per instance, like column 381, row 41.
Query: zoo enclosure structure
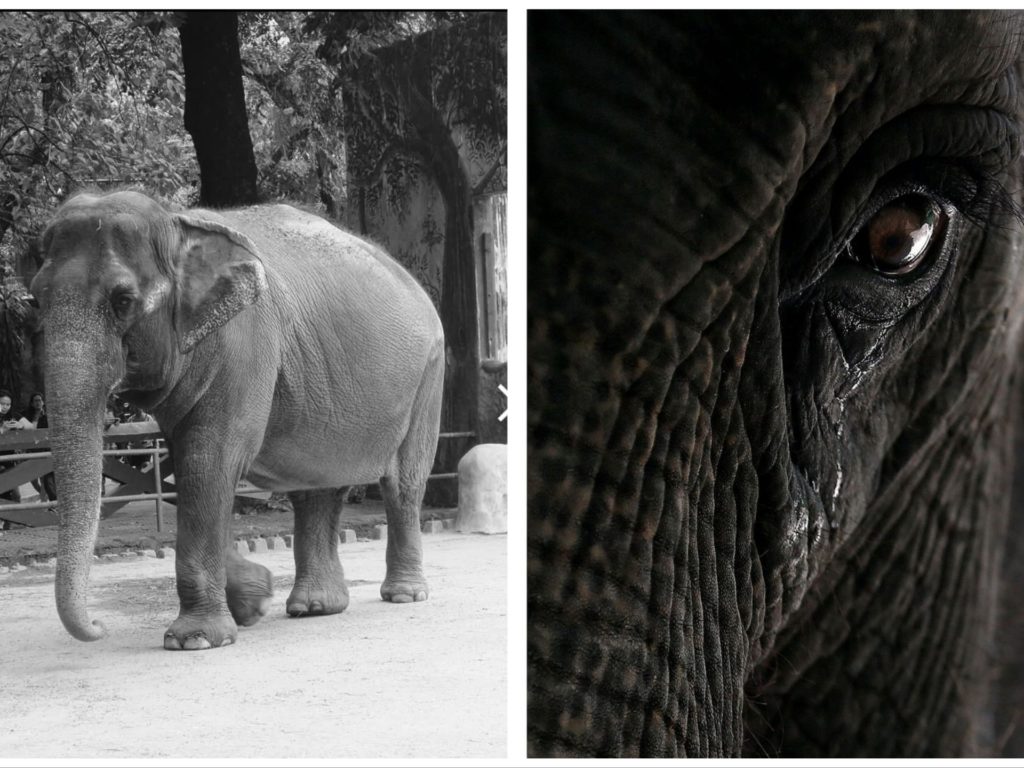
column 29, row 450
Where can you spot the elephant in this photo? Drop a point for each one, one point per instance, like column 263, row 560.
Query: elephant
column 268, row 344
column 774, row 339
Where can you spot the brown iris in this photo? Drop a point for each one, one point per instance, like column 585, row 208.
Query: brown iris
column 900, row 235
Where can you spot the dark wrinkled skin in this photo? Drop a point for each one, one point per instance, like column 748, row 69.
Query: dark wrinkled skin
column 770, row 488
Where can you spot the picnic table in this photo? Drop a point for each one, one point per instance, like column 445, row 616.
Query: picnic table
column 34, row 460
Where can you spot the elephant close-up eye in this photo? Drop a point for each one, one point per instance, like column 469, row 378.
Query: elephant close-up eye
column 122, row 302
column 775, row 496
column 898, row 238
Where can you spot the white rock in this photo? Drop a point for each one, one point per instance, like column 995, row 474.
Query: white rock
column 483, row 490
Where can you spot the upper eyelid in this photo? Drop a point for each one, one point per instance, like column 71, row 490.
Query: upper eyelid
column 879, row 201
column 986, row 193
column 977, row 143
column 842, row 183
column 120, row 293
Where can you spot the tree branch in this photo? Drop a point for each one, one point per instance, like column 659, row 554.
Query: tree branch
column 11, row 137
column 271, row 83
column 482, row 184
column 286, row 148
column 10, row 79
column 27, row 126
column 75, row 17
column 395, row 148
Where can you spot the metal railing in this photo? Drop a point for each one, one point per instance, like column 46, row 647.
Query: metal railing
column 31, row 453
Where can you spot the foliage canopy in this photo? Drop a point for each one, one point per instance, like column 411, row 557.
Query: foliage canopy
column 86, row 99
column 95, row 99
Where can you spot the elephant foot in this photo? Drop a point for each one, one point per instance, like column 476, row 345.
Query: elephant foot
column 250, row 591
column 249, row 612
column 197, row 633
column 404, row 590
column 310, row 598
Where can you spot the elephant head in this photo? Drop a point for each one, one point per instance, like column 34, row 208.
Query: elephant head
column 126, row 291
column 774, row 322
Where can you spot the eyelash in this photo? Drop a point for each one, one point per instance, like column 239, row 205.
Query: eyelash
column 976, row 194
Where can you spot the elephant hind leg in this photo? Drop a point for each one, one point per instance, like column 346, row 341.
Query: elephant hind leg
column 403, row 490
column 404, row 582
column 320, row 587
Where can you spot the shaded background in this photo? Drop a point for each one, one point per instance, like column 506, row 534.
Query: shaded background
column 389, row 123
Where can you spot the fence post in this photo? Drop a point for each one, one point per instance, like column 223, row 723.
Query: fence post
column 159, row 487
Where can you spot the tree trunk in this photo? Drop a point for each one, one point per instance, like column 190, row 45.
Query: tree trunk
column 215, row 112
column 458, row 295
column 325, row 165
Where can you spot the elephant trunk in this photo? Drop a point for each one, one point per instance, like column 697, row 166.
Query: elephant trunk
column 75, row 400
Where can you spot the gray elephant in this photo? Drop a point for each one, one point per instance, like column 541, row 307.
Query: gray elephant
column 269, row 345
column 775, row 310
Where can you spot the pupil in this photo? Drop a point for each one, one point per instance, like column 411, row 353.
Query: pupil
column 893, row 243
column 899, row 236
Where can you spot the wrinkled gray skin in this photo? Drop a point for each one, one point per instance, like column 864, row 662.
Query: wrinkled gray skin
column 769, row 486
column 269, row 345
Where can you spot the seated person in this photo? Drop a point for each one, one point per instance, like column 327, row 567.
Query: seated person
column 8, row 421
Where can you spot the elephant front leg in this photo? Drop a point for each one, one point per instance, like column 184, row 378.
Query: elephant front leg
column 205, row 493
column 250, row 589
column 319, row 579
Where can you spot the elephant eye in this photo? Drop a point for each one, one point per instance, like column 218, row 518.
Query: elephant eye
column 122, row 302
column 898, row 237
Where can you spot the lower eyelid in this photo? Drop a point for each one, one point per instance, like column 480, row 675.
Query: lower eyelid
column 879, row 300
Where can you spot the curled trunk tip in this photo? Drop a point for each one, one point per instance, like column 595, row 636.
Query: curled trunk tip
column 72, row 612
column 84, row 630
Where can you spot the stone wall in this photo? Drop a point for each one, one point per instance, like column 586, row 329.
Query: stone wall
column 393, row 197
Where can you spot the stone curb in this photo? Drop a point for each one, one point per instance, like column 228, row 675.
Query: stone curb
column 258, row 545
column 347, row 536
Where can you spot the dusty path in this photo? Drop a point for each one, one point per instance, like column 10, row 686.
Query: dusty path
column 380, row 680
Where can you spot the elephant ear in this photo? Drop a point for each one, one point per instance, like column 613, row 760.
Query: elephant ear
column 219, row 275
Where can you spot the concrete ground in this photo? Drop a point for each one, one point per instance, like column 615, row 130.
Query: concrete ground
column 421, row 680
